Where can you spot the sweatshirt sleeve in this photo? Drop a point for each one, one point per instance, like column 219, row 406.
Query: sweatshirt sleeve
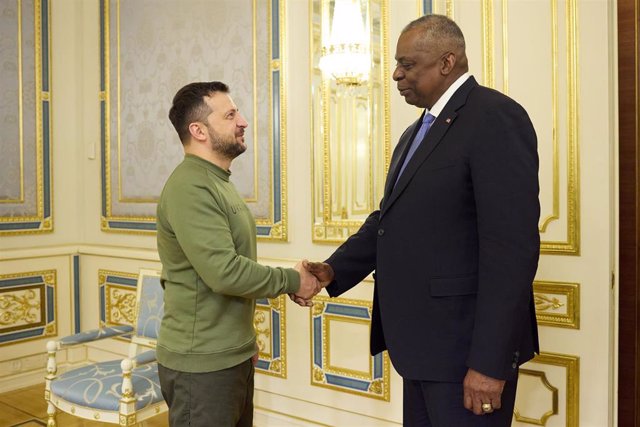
column 205, row 240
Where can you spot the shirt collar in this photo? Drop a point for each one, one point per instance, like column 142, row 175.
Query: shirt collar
column 446, row 96
column 217, row 170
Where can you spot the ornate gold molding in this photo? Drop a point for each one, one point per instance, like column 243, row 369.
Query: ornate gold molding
column 118, row 292
column 542, row 377
column 120, row 305
column 486, row 7
column 28, row 306
column 563, row 312
column 571, row 364
column 40, row 221
column 276, row 228
column 373, row 380
column 571, row 246
column 270, row 324
column 21, row 307
column 271, row 221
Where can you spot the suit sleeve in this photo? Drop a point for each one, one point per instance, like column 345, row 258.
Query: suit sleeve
column 355, row 258
column 504, row 171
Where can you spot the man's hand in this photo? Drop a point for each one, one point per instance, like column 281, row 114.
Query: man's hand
column 301, row 301
column 480, row 389
column 309, row 285
column 321, row 270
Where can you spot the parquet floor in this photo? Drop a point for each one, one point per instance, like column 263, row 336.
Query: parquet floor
column 27, row 408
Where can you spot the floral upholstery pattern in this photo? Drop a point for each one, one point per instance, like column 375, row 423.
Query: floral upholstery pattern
column 98, row 386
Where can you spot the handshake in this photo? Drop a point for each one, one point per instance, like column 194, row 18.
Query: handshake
column 314, row 276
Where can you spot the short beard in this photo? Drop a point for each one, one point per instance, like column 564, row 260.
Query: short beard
column 226, row 146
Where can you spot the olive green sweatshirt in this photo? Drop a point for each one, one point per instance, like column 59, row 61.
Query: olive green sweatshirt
column 207, row 246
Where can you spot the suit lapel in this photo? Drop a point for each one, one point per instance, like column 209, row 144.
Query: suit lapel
column 431, row 140
column 402, row 149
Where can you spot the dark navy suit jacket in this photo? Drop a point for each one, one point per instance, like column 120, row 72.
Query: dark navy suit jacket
column 455, row 244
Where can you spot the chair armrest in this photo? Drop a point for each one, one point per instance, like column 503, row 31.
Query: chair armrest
column 93, row 335
column 144, row 358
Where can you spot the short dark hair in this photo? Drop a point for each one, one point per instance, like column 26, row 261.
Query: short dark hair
column 440, row 28
column 189, row 105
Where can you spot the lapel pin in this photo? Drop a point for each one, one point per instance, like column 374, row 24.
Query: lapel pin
column 448, row 120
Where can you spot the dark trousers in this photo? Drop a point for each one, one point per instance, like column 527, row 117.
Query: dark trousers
column 221, row 398
column 437, row 404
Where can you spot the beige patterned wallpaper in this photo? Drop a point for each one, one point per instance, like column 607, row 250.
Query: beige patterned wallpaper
column 151, row 52
column 18, row 140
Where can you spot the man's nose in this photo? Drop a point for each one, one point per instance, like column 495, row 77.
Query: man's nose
column 397, row 74
column 242, row 122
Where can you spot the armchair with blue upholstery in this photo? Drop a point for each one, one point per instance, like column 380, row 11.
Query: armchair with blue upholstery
column 122, row 392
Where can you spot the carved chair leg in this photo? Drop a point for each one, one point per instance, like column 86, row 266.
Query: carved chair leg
column 51, row 412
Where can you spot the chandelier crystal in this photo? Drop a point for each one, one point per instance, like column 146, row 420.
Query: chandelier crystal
column 346, row 55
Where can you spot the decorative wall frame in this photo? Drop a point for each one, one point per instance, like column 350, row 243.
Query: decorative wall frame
column 28, row 306
column 558, row 134
column 372, row 381
column 553, row 391
column 26, row 199
column 270, row 325
column 138, row 145
column 350, row 131
column 559, row 139
column 569, row 389
column 557, row 304
column 117, row 298
column 443, row 7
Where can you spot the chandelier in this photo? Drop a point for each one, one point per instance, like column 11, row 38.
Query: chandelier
column 346, row 54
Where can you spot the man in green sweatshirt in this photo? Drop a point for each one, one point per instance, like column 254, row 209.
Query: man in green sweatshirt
column 207, row 245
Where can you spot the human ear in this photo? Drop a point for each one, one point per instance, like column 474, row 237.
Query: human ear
column 448, row 63
column 196, row 131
